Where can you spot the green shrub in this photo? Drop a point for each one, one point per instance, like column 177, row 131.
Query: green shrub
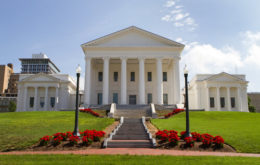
column 250, row 107
column 12, row 106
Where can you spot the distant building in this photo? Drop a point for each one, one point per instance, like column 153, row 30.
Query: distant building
column 46, row 92
column 218, row 92
column 5, row 73
column 12, row 90
column 255, row 100
column 39, row 63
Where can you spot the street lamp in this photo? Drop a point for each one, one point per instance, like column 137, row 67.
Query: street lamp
column 76, row 129
column 187, row 102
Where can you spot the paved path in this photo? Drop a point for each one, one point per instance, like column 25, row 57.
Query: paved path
column 133, row 151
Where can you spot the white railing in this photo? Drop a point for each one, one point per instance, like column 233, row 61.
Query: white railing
column 154, row 114
column 113, row 132
column 147, row 131
column 112, row 110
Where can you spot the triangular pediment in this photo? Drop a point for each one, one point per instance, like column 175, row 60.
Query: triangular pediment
column 224, row 77
column 132, row 37
column 41, row 77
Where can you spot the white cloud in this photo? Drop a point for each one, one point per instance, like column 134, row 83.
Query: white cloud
column 179, row 17
column 170, row 3
column 204, row 58
column 166, row 18
column 178, row 24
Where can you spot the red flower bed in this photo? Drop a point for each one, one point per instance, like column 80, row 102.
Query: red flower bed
column 207, row 139
column 87, row 137
column 94, row 135
column 218, row 141
column 171, row 136
column 57, row 140
column 45, row 140
column 189, row 142
column 174, row 112
column 196, row 136
column 74, row 139
column 90, row 111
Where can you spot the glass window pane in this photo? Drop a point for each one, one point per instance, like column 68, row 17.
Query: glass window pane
column 164, row 76
column 100, row 76
column 115, row 76
column 132, row 78
column 149, row 76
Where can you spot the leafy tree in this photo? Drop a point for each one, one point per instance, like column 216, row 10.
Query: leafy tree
column 250, row 107
column 12, row 106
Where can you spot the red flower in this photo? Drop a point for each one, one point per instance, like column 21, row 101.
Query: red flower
column 90, row 111
column 218, row 141
column 189, row 142
column 45, row 140
column 196, row 136
column 207, row 139
column 175, row 111
column 74, row 139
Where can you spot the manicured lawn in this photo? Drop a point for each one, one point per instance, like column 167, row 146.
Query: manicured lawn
column 22, row 129
column 239, row 129
column 123, row 160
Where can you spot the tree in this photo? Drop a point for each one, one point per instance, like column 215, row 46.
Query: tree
column 250, row 107
column 12, row 106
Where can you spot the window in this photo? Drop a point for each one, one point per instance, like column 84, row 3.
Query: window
column 99, row 101
column 132, row 78
column 52, row 101
column 42, row 102
column 31, row 101
column 149, row 76
column 115, row 98
column 149, row 98
column 233, row 102
column 222, row 102
column 212, row 103
column 165, row 98
column 132, row 99
column 100, row 76
column 115, row 76
column 164, row 76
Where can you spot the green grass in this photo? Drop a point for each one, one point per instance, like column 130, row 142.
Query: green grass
column 239, row 129
column 22, row 129
column 123, row 160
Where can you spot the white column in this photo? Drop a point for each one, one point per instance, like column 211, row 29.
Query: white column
column 239, row 99
column 207, row 99
column 46, row 99
column 176, row 84
column 87, row 90
column 141, row 81
column 56, row 98
column 25, row 99
column 35, row 104
column 106, row 80
column 123, row 80
column 228, row 99
column 159, row 81
column 218, row 99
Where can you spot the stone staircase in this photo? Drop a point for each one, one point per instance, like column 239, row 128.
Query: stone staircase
column 131, row 134
column 133, row 111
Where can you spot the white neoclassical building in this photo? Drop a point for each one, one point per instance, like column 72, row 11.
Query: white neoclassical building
column 132, row 66
column 218, row 92
column 45, row 92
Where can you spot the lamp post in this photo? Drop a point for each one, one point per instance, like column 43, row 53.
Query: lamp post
column 76, row 129
column 187, row 103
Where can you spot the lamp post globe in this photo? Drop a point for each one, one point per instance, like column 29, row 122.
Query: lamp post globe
column 187, row 102
column 76, row 128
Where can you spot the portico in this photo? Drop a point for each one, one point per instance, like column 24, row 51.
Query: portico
column 45, row 92
column 132, row 66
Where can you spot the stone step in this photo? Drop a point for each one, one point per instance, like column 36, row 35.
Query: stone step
column 130, row 144
column 130, row 137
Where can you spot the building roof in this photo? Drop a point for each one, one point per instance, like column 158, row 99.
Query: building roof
column 21, row 59
column 135, row 29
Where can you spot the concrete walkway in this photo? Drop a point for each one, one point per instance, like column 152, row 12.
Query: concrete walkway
column 132, row 151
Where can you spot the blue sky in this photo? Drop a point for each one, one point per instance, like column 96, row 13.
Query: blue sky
column 220, row 35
